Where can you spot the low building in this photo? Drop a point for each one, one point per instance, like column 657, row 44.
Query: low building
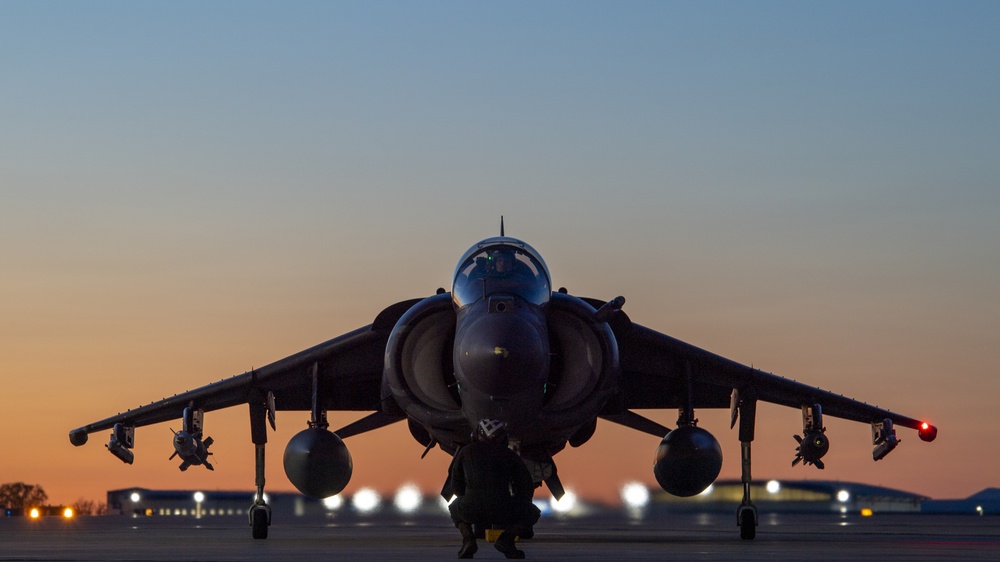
column 190, row 503
column 143, row 502
column 986, row 502
column 796, row 496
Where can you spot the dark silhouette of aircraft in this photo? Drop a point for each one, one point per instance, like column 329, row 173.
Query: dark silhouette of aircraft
column 503, row 345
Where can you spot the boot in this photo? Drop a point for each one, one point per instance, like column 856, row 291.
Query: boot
column 505, row 544
column 469, row 546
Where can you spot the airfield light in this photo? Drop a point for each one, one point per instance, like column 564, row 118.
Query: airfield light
column 979, row 509
column 564, row 504
column 68, row 513
column 366, row 500
column 867, row 512
column 843, row 496
column 408, row 498
column 198, row 498
column 34, row 513
column 333, row 503
column 773, row 486
column 135, row 497
column 635, row 495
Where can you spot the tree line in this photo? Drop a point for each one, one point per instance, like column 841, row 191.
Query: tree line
column 18, row 495
column 21, row 496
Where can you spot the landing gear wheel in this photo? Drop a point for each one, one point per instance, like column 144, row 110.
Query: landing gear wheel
column 259, row 521
column 748, row 524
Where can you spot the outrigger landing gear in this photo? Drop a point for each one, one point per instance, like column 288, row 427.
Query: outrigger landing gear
column 260, row 512
column 746, row 513
column 260, row 518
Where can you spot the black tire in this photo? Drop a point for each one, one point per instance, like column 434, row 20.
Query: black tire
column 258, row 521
column 748, row 525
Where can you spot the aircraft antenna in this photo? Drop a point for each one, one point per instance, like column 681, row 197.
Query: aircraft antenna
column 501, row 225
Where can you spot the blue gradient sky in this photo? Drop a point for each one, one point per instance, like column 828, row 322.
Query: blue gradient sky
column 191, row 189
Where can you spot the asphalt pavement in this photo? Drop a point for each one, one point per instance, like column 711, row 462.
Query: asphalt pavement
column 697, row 536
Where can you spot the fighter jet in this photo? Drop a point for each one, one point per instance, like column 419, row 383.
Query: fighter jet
column 502, row 344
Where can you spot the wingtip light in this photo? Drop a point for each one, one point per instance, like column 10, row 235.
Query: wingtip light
column 927, row 432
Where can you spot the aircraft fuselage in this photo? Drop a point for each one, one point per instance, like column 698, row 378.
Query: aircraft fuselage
column 503, row 346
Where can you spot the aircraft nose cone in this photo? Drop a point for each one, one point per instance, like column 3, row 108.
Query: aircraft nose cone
column 501, row 354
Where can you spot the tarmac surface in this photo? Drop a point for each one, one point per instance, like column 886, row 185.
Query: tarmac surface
column 712, row 536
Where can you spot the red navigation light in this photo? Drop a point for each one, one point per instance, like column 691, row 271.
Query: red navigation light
column 927, row 432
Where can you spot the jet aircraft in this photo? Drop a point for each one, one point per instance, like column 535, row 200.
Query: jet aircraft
column 502, row 344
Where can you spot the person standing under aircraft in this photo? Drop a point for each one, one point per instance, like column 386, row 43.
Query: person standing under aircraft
column 493, row 486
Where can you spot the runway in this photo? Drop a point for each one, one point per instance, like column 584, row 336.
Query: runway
column 711, row 536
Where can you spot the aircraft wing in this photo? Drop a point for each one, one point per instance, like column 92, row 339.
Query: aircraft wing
column 349, row 374
column 655, row 369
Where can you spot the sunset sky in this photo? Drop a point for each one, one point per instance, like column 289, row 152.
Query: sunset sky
column 189, row 190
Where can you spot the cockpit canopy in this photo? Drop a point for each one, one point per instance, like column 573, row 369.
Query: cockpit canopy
column 501, row 265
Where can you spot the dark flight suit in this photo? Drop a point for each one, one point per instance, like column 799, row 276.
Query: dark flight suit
column 493, row 487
